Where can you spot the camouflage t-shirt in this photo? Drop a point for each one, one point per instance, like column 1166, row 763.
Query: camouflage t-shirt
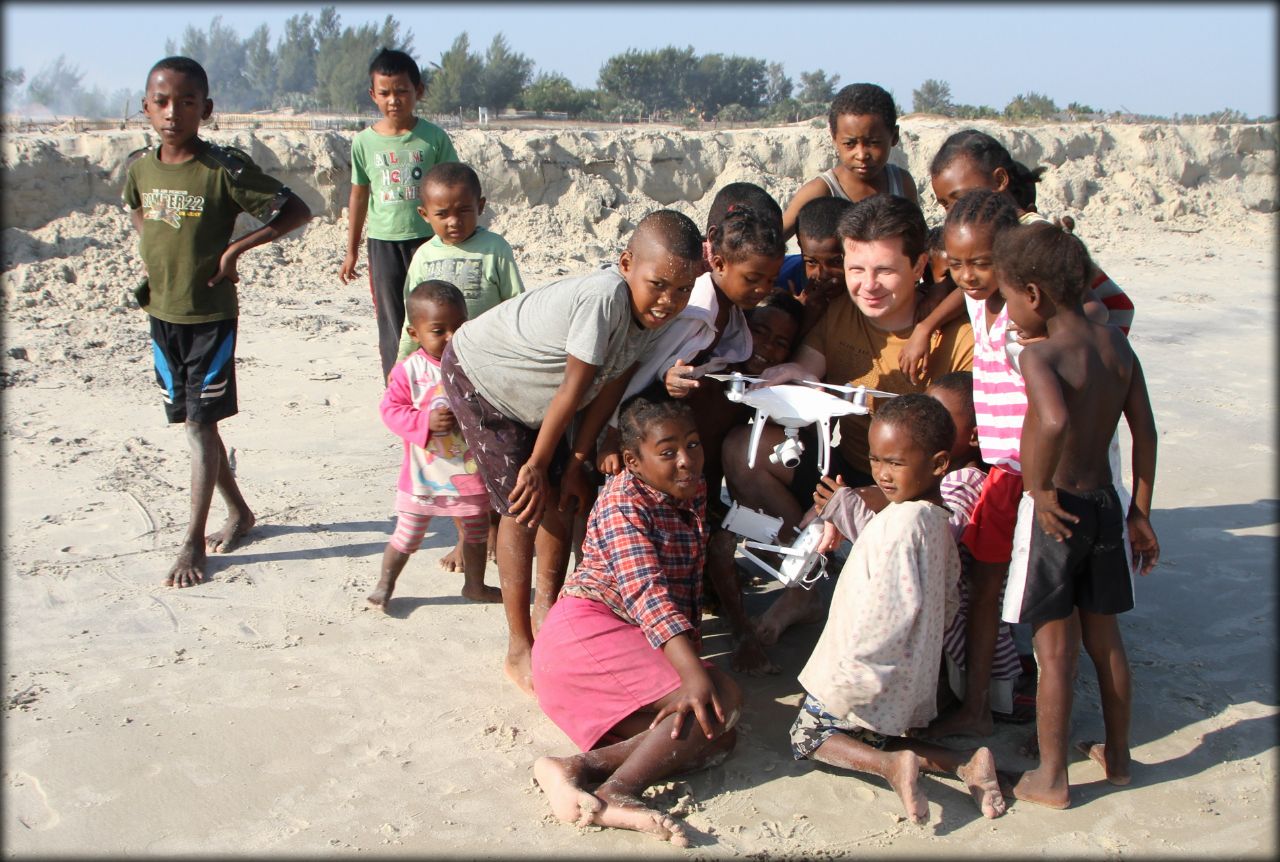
column 189, row 211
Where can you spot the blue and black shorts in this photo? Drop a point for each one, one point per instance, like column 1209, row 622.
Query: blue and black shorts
column 196, row 369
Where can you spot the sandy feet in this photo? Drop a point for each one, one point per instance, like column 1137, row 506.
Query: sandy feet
column 1042, row 789
column 979, row 775
column 959, row 723
column 519, row 669
column 560, row 779
column 904, row 776
column 482, row 593
column 236, row 527
column 381, row 595
column 1116, row 767
column 452, row 561
column 795, row 606
column 188, row 568
column 622, row 811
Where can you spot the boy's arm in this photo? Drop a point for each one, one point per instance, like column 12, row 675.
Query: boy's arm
column 914, row 358
column 594, row 417
column 292, row 215
column 815, row 188
column 357, row 211
column 529, row 495
column 1142, row 428
column 1044, row 434
column 509, row 281
column 806, row 364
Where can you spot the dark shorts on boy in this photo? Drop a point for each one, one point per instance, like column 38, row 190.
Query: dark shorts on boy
column 501, row 445
column 388, row 266
column 814, row 726
column 989, row 535
column 805, row 478
column 1089, row 570
column 195, row 365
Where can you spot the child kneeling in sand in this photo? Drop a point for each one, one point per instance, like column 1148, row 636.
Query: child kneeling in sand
column 438, row 475
column 616, row 661
column 874, row 672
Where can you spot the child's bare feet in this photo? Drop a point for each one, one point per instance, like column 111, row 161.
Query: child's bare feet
column 623, row 811
column 559, row 778
column 904, row 776
column 979, row 775
column 188, row 569
column 482, row 593
column 381, row 595
column 236, row 527
column 794, row 606
column 518, row 667
column 1116, row 767
column 452, row 561
column 1042, row 789
column 961, row 723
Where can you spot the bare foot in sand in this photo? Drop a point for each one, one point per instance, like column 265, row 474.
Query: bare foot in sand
column 623, row 811
column 1041, row 789
column 960, row 723
column 1117, row 771
column 188, row 569
column 979, row 775
column 793, row 607
column 559, row 779
column 519, row 669
column 904, row 777
column 483, row 594
column 237, row 526
column 381, row 595
column 452, row 561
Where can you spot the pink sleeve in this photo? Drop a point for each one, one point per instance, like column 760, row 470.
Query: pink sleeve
column 398, row 413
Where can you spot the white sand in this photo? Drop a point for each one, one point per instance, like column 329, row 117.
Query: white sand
column 269, row 711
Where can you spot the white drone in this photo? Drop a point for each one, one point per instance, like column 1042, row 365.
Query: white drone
column 793, row 407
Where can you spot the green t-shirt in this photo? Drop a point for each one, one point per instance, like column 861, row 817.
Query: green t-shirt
column 189, row 211
column 482, row 266
column 392, row 168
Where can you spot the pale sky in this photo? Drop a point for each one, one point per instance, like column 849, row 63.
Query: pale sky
column 1146, row 58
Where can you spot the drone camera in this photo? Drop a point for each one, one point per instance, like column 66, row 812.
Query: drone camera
column 787, row 453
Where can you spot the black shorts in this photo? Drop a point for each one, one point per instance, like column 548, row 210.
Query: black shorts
column 806, row 476
column 501, row 445
column 195, row 366
column 1089, row 570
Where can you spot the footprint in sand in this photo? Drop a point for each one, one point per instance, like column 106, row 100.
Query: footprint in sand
column 27, row 804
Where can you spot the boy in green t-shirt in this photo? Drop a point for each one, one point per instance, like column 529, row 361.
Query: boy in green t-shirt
column 184, row 197
column 388, row 161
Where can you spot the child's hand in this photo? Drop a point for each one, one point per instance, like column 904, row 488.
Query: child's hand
column 227, row 268
column 609, row 455
column 831, row 538
column 442, row 421
column 680, row 380
column 574, row 484
column 698, row 696
column 914, row 358
column 827, row 488
column 1142, row 541
column 528, row 498
column 347, row 272
column 1051, row 516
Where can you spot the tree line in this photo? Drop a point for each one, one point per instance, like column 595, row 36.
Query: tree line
column 319, row 65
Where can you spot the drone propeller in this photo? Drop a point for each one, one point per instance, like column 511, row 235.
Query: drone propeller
column 728, row 378
column 850, row 390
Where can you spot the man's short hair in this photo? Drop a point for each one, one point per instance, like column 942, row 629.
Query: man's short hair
column 924, row 419
column 451, row 174
column 885, row 216
column 742, row 194
column 674, row 231
column 389, row 62
column 183, row 66
column 820, row 217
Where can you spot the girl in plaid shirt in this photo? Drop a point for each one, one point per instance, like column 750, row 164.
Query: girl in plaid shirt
column 616, row 664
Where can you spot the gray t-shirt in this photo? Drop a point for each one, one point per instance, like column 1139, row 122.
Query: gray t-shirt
column 516, row 352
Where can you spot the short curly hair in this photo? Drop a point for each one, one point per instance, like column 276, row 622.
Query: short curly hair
column 1043, row 253
column 862, row 99
column 643, row 409
column 924, row 419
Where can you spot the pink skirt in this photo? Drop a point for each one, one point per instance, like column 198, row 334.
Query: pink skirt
column 592, row 669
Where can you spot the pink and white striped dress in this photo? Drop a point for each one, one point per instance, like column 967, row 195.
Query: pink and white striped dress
column 999, row 395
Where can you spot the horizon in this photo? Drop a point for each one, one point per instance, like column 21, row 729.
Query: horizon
column 1125, row 58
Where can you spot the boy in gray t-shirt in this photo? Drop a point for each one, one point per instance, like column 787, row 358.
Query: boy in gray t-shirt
column 519, row 373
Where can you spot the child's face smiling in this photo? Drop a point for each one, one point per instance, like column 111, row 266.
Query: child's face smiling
column 433, row 323
column 395, row 96
column 669, row 459
column 969, row 259
column 823, row 262
column 882, row 281
column 175, row 105
column 451, row 210
column 773, row 334
column 747, row 281
column 659, row 282
column 901, row 469
column 964, row 175
column 863, row 143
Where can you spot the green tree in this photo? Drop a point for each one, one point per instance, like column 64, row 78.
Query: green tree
column 260, row 68
column 343, row 55
column 553, row 92
column 221, row 52
column 56, row 85
column 719, row 80
column 505, row 74
column 1030, row 105
column 296, row 56
column 779, row 87
column 817, row 86
column 658, row 79
column 933, row 97
column 455, row 82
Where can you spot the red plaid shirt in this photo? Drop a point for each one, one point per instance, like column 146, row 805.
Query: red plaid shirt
column 642, row 556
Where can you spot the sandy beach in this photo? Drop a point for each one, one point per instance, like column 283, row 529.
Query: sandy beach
column 271, row 711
